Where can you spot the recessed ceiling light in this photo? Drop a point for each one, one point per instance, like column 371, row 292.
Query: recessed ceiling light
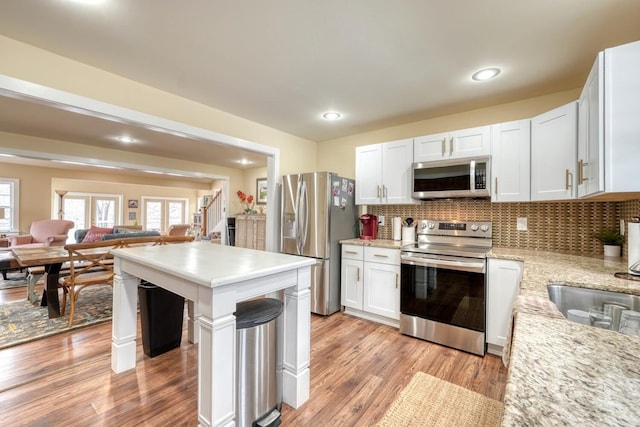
column 332, row 115
column 126, row 139
column 486, row 74
column 88, row 1
column 245, row 162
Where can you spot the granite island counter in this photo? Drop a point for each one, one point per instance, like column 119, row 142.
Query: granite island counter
column 565, row 373
column 214, row 278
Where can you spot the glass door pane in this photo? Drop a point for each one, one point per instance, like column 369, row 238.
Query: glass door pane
column 176, row 212
column 76, row 209
column 153, row 215
column 105, row 211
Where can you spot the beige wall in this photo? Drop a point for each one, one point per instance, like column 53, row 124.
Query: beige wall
column 338, row 155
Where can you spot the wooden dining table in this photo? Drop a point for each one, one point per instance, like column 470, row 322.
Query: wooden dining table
column 51, row 258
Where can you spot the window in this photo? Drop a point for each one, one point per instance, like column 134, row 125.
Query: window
column 160, row 213
column 9, row 192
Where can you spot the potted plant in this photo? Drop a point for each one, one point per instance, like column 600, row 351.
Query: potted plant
column 612, row 241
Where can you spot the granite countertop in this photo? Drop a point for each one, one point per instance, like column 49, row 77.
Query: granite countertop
column 378, row 243
column 565, row 373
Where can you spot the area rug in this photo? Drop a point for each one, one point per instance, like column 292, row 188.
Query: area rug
column 21, row 321
column 429, row 401
column 14, row 280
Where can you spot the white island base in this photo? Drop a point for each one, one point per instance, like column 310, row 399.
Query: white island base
column 215, row 278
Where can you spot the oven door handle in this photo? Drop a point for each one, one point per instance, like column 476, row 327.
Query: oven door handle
column 472, row 267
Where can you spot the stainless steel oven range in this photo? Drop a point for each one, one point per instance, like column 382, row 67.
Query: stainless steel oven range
column 443, row 284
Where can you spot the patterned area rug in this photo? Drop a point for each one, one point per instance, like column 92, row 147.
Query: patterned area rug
column 14, row 280
column 430, row 401
column 21, row 321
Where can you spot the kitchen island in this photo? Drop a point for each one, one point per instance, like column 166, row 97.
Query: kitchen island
column 215, row 278
column 565, row 373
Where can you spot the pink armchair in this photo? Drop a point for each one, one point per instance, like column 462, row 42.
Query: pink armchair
column 178, row 230
column 48, row 232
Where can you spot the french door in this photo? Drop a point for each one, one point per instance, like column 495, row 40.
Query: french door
column 85, row 210
column 160, row 213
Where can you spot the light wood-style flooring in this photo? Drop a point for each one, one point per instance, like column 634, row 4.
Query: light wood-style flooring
column 357, row 369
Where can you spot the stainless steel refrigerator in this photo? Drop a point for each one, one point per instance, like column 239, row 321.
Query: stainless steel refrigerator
column 318, row 210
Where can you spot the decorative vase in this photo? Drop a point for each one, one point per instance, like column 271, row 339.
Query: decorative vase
column 612, row 251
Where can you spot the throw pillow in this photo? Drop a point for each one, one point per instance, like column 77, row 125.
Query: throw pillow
column 95, row 234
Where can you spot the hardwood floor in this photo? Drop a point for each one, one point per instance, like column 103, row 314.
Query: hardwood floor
column 357, row 369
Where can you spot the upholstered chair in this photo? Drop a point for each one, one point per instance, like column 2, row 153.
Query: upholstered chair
column 178, row 230
column 48, row 232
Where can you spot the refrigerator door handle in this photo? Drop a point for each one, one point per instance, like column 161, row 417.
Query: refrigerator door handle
column 296, row 212
column 304, row 216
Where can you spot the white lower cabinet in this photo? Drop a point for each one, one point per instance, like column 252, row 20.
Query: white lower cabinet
column 504, row 277
column 351, row 276
column 371, row 283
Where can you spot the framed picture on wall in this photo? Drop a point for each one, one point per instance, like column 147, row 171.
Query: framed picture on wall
column 133, row 204
column 261, row 191
column 132, row 216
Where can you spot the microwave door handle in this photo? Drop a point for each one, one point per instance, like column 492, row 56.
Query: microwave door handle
column 472, row 175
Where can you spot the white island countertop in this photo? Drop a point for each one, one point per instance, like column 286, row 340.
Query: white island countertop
column 211, row 264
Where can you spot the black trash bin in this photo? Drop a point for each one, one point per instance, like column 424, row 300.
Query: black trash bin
column 161, row 316
column 258, row 389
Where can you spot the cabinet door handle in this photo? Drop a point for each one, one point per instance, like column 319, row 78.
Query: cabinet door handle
column 581, row 177
column 384, row 191
column 496, row 186
column 351, row 252
column 381, row 256
column 358, row 274
column 397, row 276
column 567, row 180
column 451, row 146
column 378, row 191
column 579, row 171
column 444, row 147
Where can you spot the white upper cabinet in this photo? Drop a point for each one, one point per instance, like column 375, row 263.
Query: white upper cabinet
column 554, row 138
column 368, row 174
column 511, row 161
column 609, row 124
column 453, row 145
column 383, row 173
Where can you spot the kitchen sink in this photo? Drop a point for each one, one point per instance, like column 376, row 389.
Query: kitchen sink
column 578, row 304
column 572, row 298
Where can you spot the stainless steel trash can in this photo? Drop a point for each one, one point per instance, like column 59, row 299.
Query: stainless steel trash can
column 258, row 399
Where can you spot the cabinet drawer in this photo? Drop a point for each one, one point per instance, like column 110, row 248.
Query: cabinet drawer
column 353, row 252
column 382, row 255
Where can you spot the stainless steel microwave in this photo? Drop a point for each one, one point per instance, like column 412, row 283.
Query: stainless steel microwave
column 452, row 178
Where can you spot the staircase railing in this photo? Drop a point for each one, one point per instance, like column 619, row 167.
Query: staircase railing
column 212, row 213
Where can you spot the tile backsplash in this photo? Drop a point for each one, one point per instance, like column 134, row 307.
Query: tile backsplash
column 553, row 226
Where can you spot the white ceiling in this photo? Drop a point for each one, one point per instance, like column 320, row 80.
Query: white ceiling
column 282, row 63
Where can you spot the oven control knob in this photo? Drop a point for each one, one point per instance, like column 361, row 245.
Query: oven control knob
column 484, row 228
column 474, row 227
column 431, row 225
